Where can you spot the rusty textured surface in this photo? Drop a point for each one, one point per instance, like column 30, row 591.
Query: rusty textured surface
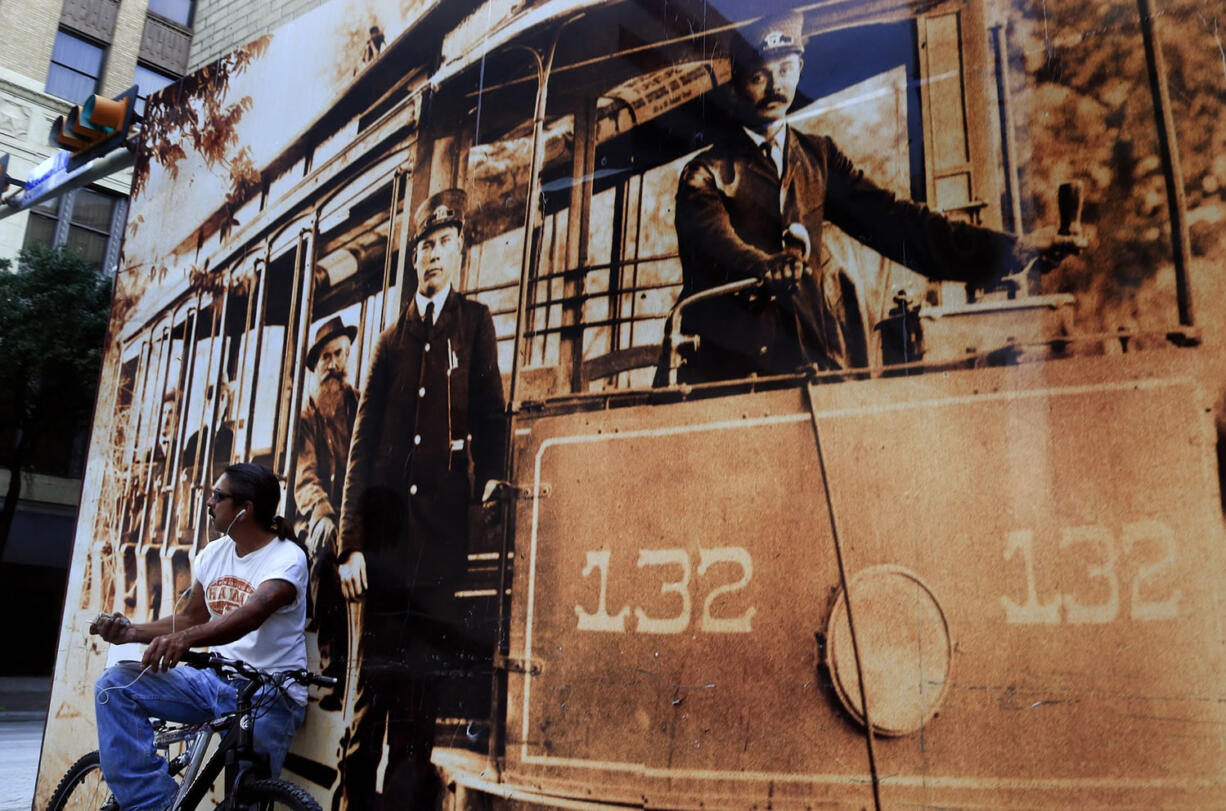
column 1048, row 468
column 1056, row 695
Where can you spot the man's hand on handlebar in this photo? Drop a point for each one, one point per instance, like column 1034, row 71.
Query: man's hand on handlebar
column 165, row 651
column 113, row 628
column 781, row 272
column 1048, row 248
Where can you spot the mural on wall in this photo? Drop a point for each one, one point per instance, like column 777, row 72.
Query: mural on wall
column 569, row 543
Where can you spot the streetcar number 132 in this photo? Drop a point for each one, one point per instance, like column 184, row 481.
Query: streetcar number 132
column 728, row 559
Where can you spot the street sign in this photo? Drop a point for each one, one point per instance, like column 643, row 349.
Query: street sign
column 47, row 175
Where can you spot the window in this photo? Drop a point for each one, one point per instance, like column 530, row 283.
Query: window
column 89, row 228
column 40, row 230
column 149, row 81
column 86, row 221
column 177, row 11
column 75, row 67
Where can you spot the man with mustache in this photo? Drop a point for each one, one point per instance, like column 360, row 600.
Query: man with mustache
column 321, row 456
column 429, row 434
column 738, row 205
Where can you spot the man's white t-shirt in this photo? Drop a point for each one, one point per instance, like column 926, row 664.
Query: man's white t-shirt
column 229, row 580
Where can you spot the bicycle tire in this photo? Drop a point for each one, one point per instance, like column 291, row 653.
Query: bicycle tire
column 82, row 787
column 266, row 795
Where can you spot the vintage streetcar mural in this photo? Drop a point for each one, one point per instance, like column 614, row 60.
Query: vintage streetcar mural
column 980, row 566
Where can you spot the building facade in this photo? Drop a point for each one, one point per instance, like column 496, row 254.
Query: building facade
column 220, row 26
column 60, row 52
column 53, row 54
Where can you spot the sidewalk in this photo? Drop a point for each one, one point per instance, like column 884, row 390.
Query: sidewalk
column 23, row 712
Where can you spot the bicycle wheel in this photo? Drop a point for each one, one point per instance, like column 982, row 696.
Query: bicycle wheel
column 267, row 795
column 83, row 787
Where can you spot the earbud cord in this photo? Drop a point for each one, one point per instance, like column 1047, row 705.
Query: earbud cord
column 237, row 516
column 102, row 694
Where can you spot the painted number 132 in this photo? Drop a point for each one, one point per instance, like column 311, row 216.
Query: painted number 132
column 675, row 562
column 1148, row 545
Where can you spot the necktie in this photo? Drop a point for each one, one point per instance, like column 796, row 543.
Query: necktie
column 770, row 148
column 429, row 316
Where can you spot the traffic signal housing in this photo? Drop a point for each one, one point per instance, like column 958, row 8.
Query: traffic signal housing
column 96, row 127
column 6, row 180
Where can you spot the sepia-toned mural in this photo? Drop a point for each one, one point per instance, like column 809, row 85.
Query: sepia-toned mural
column 826, row 408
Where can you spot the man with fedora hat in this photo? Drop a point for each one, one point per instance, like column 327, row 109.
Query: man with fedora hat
column 321, row 457
column 430, row 426
column 753, row 205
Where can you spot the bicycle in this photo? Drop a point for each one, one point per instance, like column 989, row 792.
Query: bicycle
column 247, row 784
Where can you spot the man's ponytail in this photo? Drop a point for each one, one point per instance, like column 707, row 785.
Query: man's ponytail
column 283, row 529
column 285, row 532
column 260, row 486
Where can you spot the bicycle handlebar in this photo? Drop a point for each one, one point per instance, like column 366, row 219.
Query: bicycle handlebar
column 221, row 664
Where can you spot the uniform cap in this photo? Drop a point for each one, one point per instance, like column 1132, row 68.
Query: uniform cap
column 769, row 38
column 441, row 209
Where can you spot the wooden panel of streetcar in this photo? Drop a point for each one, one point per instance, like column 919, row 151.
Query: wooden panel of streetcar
column 1015, row 556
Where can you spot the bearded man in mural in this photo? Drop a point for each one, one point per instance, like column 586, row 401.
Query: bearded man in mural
column 431, row 422
column 321, row 456
column 753, row 205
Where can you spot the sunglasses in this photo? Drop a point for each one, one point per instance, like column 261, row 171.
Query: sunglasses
column 220, row 496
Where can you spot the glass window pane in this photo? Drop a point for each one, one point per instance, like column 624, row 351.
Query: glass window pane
column 50, row 207
column 87, row 243
column 149, row 81
column 93, row 210
column 70, row 85
column 75, row 53
column 75, row 68
column 179, row 11
column 39, row 231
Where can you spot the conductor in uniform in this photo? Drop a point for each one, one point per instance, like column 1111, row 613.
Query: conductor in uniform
column 752, row 206
column 430, row 425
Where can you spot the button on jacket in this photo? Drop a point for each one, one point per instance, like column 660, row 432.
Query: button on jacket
column 732, row 209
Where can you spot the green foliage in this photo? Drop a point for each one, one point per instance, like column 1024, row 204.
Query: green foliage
column 1085, row 112
column 53, row 318
column 197, row 111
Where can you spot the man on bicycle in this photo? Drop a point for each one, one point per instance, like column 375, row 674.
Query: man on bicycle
column 248, row 602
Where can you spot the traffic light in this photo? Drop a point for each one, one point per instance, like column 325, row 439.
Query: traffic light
column 96, row 127
column 6, row 181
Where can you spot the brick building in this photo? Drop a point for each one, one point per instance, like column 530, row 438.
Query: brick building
column 53, row 54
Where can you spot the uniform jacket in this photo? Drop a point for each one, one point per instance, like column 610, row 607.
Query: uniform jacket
column 321, row 458
column 432, row 402
column 732, row 209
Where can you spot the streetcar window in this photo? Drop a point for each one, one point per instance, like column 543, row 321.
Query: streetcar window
column 271, row 405
column 267, row 387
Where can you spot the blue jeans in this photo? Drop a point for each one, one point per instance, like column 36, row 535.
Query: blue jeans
column 134, row 770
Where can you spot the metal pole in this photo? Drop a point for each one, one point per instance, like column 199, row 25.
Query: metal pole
column 1168, row 149
column 538, row 121
column 392, row 222
column 845, row 581
column 99, row 168
column 1009, row 129
column 543, row 69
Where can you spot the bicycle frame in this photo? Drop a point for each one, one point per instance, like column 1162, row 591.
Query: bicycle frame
column 235, row 753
